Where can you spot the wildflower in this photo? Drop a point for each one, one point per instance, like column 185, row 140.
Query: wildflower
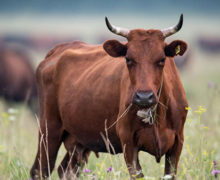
column 198, row 111
column 148, row 177
column 201, row 108
column 4, row 115
column 211, row 84
column 187, row 108
column 12, row 118
column 215, row 172
column 117, row 173
column 12, row 111
column 188, row 150
column 167, row 176
column 205, row 153
column 86, row 170
column 93, row 177
column 190, row 120
column 109, row 169
column 2, row 148
column 205, row 127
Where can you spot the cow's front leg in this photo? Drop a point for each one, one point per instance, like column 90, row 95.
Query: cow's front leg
column 173, row 155
column 130, row 152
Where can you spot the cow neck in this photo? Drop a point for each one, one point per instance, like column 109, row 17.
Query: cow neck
column 153, row 116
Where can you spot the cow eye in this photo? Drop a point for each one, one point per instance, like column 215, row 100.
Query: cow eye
column 129, row 62
column 162, row 62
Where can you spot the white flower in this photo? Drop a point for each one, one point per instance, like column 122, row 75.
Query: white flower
column 117, row 173
column 12, row 118
column 12, row 111
column 149, row 178
column 167, row 176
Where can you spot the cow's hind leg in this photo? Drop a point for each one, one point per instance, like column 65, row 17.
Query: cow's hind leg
column 74, row 159
column 50, row 138
column 73, row 162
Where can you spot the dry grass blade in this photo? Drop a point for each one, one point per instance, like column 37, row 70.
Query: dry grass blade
column 121, row 116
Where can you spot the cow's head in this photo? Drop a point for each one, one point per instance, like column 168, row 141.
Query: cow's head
column 145, row 54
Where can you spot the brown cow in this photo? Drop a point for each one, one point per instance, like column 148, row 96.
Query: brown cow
column 129, row 92
column 17, row 79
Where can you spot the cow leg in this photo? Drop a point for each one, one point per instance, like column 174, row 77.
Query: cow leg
column 131, row 157
column 50, row 138
column 69, row 167
column 74, row 160
column 49, row 143
column 63, row 166
column 172, row 156
column 139, row 169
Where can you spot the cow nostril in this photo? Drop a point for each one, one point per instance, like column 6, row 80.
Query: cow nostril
column 144, row 98
column 137, row 96
column 151, row 96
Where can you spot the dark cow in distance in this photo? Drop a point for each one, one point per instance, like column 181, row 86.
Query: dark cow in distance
column 209, row 44
column 116, row 98
column 17, row 78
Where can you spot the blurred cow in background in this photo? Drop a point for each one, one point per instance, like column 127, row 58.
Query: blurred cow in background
column 209, row 43
column 17, row 80
column 37, row 42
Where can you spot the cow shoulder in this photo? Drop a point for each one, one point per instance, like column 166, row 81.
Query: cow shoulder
column 45, row 69
column 65, row 62
column 76, row 59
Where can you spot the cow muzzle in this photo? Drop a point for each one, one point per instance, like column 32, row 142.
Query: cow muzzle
column 144, row 99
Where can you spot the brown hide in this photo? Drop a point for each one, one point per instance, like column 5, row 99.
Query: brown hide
column 81, row 87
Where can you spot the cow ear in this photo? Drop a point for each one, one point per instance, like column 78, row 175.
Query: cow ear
column 175, row 48
column 115, row 48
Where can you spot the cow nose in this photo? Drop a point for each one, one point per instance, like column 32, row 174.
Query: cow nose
column 144, row 98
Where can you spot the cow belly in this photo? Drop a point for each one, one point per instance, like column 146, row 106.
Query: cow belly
column 87, row 123
column 156, row 146
column 94, row 139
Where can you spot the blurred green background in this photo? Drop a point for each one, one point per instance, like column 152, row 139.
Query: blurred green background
column 34, row 27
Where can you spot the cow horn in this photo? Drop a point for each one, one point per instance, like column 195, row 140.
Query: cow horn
column 117, row 30
column 172, row 30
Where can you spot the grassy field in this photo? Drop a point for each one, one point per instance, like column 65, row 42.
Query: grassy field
column 18, row 131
